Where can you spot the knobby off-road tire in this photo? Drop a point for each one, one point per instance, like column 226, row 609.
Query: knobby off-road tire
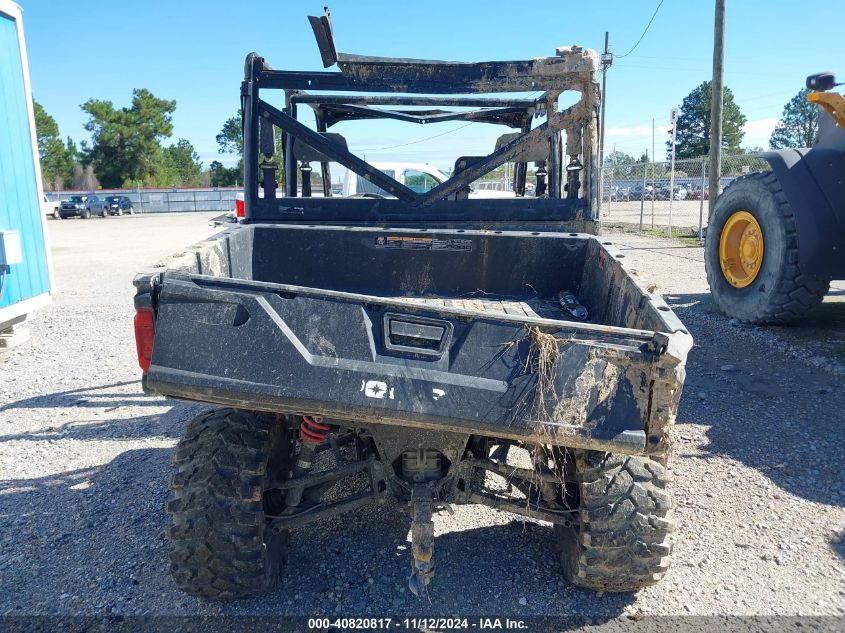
column 622, row 540
column 781, row 292
column 222, row 545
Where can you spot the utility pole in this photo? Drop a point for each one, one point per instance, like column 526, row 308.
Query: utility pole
column 606, row 61
column 653, row 167
column 674, row 118
column 716, row 106
column 642, row 197
column 610, row 188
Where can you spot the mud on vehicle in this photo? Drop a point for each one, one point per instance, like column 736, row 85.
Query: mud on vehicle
column 424, row 348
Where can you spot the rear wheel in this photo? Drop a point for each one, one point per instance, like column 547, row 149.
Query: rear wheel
column 227, row 465
column 751, row 255
column 56, row 214
column 621, row 540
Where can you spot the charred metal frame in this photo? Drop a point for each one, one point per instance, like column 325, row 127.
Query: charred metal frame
column 410, row 82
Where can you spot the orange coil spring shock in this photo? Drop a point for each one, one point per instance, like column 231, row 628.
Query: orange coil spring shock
column 312, row 431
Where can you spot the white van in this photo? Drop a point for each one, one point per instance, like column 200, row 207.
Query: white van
column 419, row 177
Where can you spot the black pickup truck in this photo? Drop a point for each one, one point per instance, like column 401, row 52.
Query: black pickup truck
column 423, row 348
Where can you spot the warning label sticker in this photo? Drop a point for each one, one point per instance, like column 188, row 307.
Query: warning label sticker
column 423, row 243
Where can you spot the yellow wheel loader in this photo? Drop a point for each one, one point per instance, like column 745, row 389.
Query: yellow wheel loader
column 777, row 239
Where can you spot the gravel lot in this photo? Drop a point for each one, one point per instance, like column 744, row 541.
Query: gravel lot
column 684, row 213
column 84, row 460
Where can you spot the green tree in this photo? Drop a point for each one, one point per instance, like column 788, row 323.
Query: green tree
column 57, row 160
column 46, row 128
column 126, row 142
column 230, row 139
column 179, row 166
column 693, row 137
column 619, row 158
column 221, row 176
column 621, row 164
column 798, row 125
column 69, row 160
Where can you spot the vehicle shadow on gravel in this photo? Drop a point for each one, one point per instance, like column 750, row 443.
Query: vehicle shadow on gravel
column 75, row 541
column 87, row 397
column 359, row 565
column 761, row 404
column 101, row 429
column 90, row 539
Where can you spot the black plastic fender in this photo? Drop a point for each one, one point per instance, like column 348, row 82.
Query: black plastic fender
column 813, row 181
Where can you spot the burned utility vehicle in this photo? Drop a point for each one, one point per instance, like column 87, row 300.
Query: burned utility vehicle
column 425, row 348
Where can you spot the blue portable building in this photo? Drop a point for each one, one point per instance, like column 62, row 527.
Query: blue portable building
column 25, row 272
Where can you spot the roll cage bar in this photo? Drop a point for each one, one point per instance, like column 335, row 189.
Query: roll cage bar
column 566, row 186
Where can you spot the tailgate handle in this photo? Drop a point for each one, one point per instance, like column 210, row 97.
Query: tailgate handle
column 418, row 335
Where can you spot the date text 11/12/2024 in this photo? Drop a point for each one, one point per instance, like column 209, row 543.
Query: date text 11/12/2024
column 415, row 624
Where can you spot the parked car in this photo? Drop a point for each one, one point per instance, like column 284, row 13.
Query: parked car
column 640, row 193
column 118, row 205
column 617, row 193
column 83, row 206
column 661, row 192
column 50, row 208
column 697, row 193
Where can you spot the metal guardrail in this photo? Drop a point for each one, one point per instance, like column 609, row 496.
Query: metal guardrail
column 166, row 200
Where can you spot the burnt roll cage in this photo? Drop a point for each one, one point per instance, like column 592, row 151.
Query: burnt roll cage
column 566, row 174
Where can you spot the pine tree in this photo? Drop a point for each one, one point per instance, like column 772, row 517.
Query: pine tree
column 693, row 136
column 798, row 125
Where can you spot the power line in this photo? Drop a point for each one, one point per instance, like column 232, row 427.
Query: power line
column 420, row 140
column 647, row 26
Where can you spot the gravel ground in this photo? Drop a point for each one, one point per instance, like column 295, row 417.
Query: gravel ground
column 84, row 460
column 685, row 213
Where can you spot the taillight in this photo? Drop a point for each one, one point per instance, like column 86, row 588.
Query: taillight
column 239, row 208
column 145, row 330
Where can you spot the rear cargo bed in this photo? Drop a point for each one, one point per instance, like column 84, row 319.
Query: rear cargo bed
column 433, row 328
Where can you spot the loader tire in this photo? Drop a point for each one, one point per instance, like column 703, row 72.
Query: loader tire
column 222, row 546
column 779, row 292
column 621, row 540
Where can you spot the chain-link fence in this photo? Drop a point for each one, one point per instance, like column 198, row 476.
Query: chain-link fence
column 649, row 196
column 166, row 200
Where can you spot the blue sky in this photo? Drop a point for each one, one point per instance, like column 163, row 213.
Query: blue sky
column 193, row 51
